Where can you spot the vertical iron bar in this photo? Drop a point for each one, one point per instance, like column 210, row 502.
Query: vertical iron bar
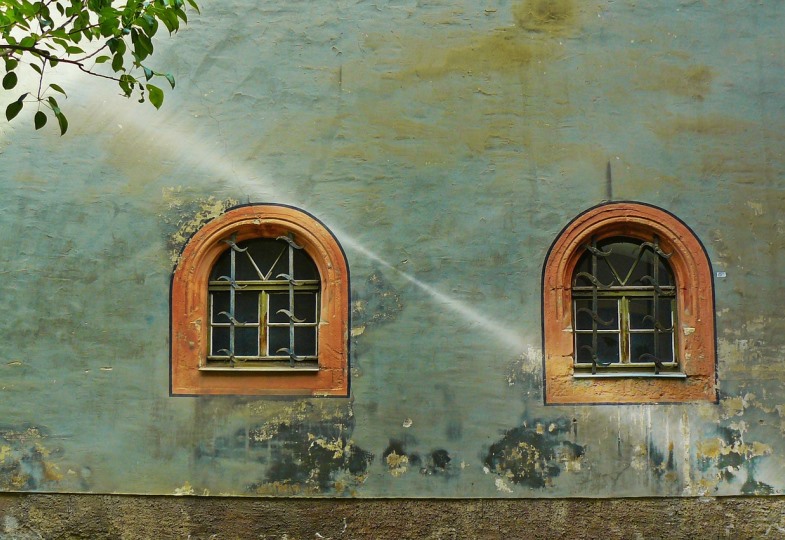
column 594, row 307
column 232, row 284
column 291, row 300
column 656, row 284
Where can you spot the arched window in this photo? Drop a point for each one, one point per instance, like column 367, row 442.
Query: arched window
column 624, row 302
column 628, row 311
column 260, row 305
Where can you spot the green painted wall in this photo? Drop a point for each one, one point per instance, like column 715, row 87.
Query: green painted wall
column 446, row 143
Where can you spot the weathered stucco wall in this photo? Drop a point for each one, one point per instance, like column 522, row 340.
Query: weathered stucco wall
column 97, row 517
column 445, row 143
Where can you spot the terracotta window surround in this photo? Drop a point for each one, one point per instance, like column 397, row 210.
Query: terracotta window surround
column 696, row 350
column 190, row 326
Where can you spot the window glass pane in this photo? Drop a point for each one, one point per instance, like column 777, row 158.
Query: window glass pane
column 246, row 306
column 583, row 267
column 583, row 348
column 304, row 307
column 220, row 346
column 304, row 267
column 641, row 313
column 603, row 273
column 265, row 252
column 220, row 301
column 222, row 267
column 665, row 347
column 641, row 344
column 277, row 338
column 665, row 277
column 607, row 310
column 624, row 259
column 607, row 347
column 623, row 256
column 665, row 313
column 304, row 340
column 246, row 341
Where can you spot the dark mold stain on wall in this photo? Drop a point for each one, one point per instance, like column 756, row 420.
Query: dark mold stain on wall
column 302, row 449
column 533, row 456
column 399, row 460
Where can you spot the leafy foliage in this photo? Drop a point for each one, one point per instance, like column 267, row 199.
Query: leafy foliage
column 110, row 39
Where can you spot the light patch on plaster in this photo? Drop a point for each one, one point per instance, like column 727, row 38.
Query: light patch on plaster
column 715, row 447
column 684, row 428
column 185, row 489
column 277, row 415
column 756, row 207
column 735, row 406
column 336, row 446
column 502, row 486
column 640, row 458
column 397, row 464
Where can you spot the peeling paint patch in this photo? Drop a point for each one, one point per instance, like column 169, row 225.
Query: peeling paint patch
column 727, row 456
column 184, row 213
column 27, row 461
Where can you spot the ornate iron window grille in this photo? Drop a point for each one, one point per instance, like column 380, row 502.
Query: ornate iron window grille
column 247, row 332
column 615, row 312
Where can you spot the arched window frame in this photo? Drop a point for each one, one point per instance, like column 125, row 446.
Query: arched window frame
column 696, row 349
column 190, row 326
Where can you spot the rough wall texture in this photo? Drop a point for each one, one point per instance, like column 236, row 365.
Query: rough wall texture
column 115, row 517
column 445, row 143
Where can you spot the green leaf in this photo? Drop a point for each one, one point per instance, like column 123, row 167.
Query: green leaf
column 156, row 96
column 27, row 42
column 40, row 119
column 13, row 109
column 101, row 59
column 10, row 63
column 148, row 73
column 117, row 62
column 9, row 81
column 58, row 88
column 53, row 104
column 193, row 5
column 62, row 121
column 170, row 78
column 127, row 84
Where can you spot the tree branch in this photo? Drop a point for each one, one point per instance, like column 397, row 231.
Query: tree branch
column 48, row 56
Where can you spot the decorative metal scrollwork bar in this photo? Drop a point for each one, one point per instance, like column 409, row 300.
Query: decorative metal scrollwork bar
column 289, row 239
column 232, row 241
column 595, row 304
